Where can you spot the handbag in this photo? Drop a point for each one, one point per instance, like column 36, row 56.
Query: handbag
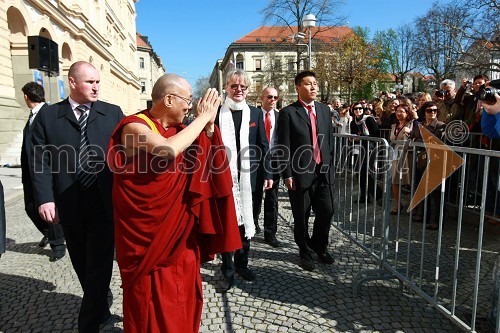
column 422, row 159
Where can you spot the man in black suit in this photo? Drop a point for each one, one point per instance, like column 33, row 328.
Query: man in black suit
column 269, row 114
column 53, row 234
column 73, row 183
column 2, row 221
column 242, row 131
column 304, row 150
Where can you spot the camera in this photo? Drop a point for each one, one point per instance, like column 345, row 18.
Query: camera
column 488, row 93
column 441, row 93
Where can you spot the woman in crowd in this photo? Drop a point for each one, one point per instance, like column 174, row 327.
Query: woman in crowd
column 389, row 116
column 437, row 128
column 345, row 121
column 421, row 100
column 400, row 131
column 365, row 125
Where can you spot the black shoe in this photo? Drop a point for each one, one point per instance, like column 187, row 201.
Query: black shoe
column 106, row 318
column 246, row 273
column 226, row 283
column 57, row 254
column 325, row 258
column 307, row 264
column 257, row 229
column 43, row 242
column 272, row 241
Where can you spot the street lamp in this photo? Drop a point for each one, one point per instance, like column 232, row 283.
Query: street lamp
column 309, row 21
column 298, row 37
column 398, row 88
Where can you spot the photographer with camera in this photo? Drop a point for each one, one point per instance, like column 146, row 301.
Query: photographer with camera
column 490, row 119
column 470, row 102
column 449, row 106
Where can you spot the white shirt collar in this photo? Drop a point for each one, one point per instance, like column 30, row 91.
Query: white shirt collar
column 37, row 108
column 75, row 104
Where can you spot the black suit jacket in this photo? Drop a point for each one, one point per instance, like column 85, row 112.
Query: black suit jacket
column 294, row 145
column 56, row 142
column 259, row 146
column 26, row 155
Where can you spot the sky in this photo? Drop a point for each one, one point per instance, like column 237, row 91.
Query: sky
column 190, row 35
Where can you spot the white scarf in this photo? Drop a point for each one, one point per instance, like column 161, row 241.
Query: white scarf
column 242, row 188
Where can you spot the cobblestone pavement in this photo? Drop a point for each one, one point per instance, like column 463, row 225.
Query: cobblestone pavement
column 39, row 296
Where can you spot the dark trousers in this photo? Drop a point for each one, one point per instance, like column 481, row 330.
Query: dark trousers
column 54, row 232
column 366, row 160
column 270, row 206
column 319, row 196
column 237, row 259
column 2, row 221
column 431, row 203
column 90, row 240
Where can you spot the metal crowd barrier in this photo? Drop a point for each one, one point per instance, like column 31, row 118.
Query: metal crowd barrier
column 451, row 267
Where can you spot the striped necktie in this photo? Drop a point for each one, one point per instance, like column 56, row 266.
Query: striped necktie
column 86, row 167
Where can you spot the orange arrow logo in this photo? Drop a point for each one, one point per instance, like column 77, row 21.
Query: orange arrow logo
column 441, row 163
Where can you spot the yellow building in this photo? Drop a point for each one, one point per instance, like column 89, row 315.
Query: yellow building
column 102, row 32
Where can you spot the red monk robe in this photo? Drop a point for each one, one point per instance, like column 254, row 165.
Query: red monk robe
column 170, row 215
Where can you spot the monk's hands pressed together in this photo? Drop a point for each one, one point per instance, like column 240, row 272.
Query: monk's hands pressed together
column 208, row 106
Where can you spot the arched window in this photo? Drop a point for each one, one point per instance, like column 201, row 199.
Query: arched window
column 239, row 61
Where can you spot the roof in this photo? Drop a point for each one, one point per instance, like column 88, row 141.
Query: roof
column 141, row 41
column 280, row 34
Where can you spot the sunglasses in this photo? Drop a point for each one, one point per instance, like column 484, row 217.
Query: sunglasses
column 272, row 97
column 431, row 110
column 235, row 87
column 357, row 108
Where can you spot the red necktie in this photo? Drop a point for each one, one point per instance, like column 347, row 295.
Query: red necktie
column 316, row 151
column 268, row 125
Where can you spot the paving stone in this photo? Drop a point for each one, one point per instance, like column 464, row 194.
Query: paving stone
column 39, row 296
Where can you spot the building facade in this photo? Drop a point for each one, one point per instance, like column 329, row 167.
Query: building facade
column 272, row 56
column 150, row 68
column 102, row 32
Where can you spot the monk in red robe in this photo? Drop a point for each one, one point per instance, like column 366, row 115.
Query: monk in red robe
column 173, row 207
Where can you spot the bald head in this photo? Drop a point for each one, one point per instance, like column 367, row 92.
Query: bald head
column 76, row 69
column 269, row 98
column 84, row 82
column 168, row 83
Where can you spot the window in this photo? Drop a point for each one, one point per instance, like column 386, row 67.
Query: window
column 141, row 62
column 277, row 64
column 291, row 86
column 258, row 64
column 239, row 61
column 258, row 86
column 291, row 65
column 143, row 87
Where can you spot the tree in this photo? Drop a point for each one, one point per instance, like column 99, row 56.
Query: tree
column 201, row 86
column 349, row 65
column 291, row 14
column 396, row 51
column 458, row 36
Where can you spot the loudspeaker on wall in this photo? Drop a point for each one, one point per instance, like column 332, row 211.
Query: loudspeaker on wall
column 43, row 54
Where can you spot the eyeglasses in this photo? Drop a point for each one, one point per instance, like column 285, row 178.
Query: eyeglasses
column 272, row 97
column 236, row 86
column 189, row 101
column 357, row 108
column 431, row 110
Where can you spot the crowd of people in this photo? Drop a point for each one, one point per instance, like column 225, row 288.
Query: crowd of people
column 398, row 118
column 166, row 196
